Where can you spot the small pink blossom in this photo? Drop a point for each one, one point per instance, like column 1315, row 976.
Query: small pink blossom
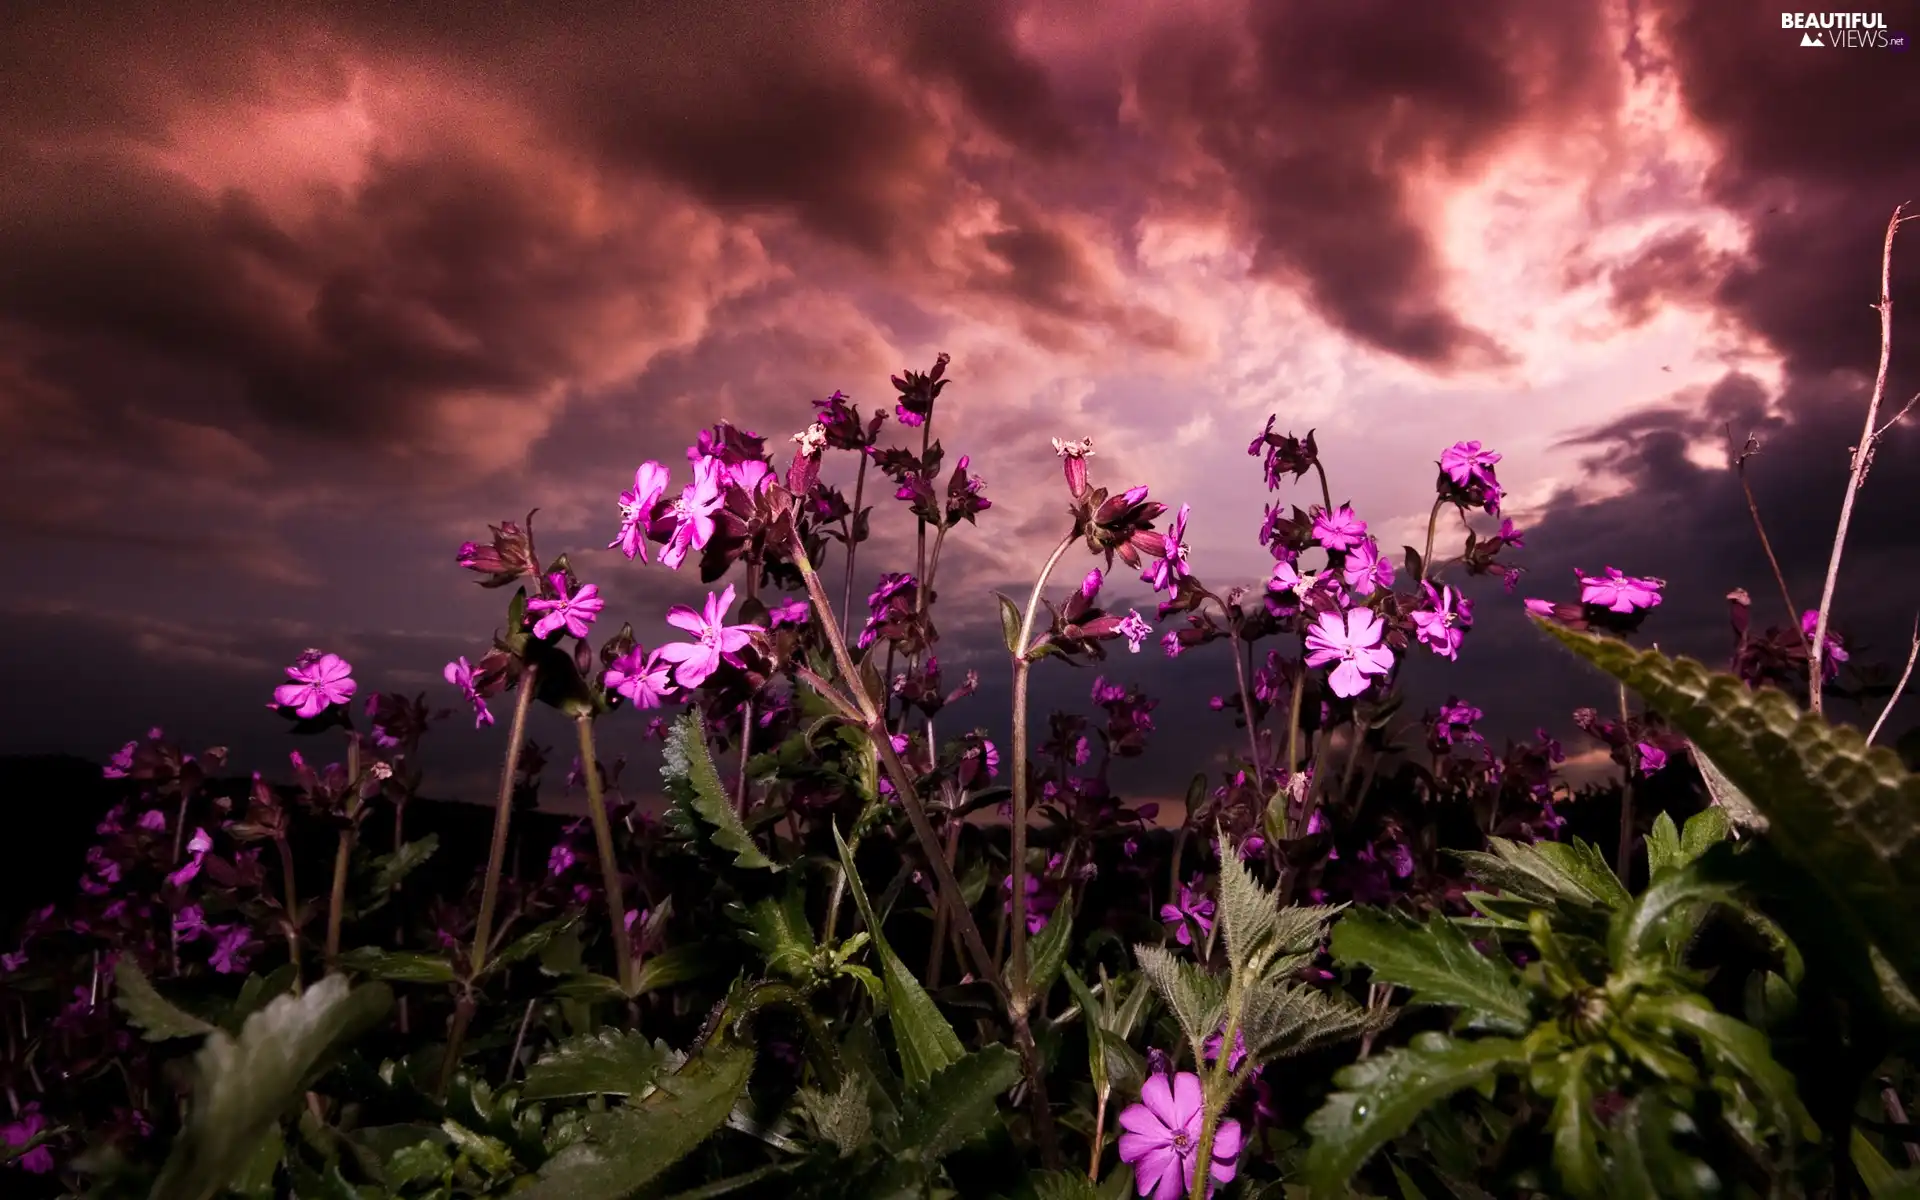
column 1162, row 1138
column 575, row 613
column 1352, row 639
column 640, row 677
column 1340, row 529
column 460, row 674
column 320, row 681
column 636, row 503
column 698, row 659
column 1620, row 593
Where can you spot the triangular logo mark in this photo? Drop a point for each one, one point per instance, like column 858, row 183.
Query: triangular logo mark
column 1811, row 39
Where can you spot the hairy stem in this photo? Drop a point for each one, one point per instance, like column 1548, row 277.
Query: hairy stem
column 1326, row 493
column 502, row 820
column 1022, row 667
column 609, row 865
column 1099, row 1136
column 1857, row 474
column 746, row 736
column 1217, row 1094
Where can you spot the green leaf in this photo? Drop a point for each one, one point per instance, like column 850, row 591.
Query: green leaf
column 156, row 1017
column 611, row 1062
column 672, row 966
column 627, row 1148
column 1380, row 1098
column 844, row 1117
column 1734, row 1047
column 398, row 967
column 1062, row 1185
column 1663, row 845
column 1848, row 813
column 1009, row 624
column 1576, row 1139
column 528, row 944
column 1438, row 961
column 1047, row 953
column 1248, row 913
column 1525, row 872
column 1665, row 914
column 1740, row 812
column 926, row 1042
column 694, row 783
column 958, row 1102
column 1877, row 1174
column 390, row 869
column 1093, row 1015
column 1197, row 999
column 1704, row 830
column 777, row 928
column 243, row 1084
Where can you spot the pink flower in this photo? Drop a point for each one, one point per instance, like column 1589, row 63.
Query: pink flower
column 1365, row 571
column 229, row 955
column 1352, row 639
column 689, row 522
column 713, row 638
column 1652, row 758
column 39, row 1160
column 576, row 613
column 1339, row 529
column 640, row 677
column 1443, row 625
column 649, row 484
column 319, row 682
column 1191, row 916
column 1833, row 653
column 1162, row 1138
column 1135, row 630
column 1164, row 572
column 1465, row 462
column 460, row 674
column 198, row 847
column 790, row 612
column 1620, row 593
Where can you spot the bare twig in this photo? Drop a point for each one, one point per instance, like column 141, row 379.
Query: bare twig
column 1862, row 459
column 1913, row 652
column 1740, row 467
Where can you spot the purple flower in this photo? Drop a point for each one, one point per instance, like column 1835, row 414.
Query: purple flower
column 121, row 762
column 713, row 638
column 229, row 955
column 1652, row 758
column 154, row 821
column 1352, row 639
column 1619, row 593
column 1339, row 529
column 1164, row 572
column 460, row 674
column 1365, row 571
column 636, row 503
column 1191, row 916
column 575, row 613
column 1210, row 1049
column 319, row 682
column 198, row 848
column 1162, row 1138
column 1832, row 653
column 640, row 677
column 790, row 612
column 1443, row 625
column 1465, row 462
column 688, row 523
column 1135, row 630
column 560, row 859
column 39, row 1160
column 189, row 924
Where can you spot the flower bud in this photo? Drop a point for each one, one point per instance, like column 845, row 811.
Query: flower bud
column 1073, row 458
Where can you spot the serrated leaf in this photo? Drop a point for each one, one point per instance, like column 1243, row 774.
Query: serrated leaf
column 843, row 1116
column 1062, row 1185
column 1279, row 1018
column 776, row 926
column 1380, row 1097
column 1525, row 872
column 397, row 966
column 611, row 1062
column 1733, row 1046
column 958, row 1102
column 1438, row 961
column 529, row 944
column 627, row 1148
column 1248, row 912
column 694, row 783
column 1649, row 923
column 1197, row 999
column 1741, row 813
column 1663, row 845
column 674, row 965
column 1703, row 831
column 156, row 1017
column 1846, row 812
column 1047, row 952
column 390, row 869
column 926, row 1042
column 243, row 1084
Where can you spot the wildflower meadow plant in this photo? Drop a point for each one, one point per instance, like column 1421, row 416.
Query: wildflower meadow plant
column 870, row 947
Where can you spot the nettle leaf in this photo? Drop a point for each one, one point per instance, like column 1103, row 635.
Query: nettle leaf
column 958, row 1102
column 397, row 966
column 1532, row 873
column 623, row 1150
column 1741, row 813
column 843, row 1117
column 243, row 1085
column 1198, row 1000
column 1381, row 1097
column 777, row 927
column 694, row 783
column 1846, row 812
column 1248, row 912
column 390, row 869
column 611, row 1062
column 1438, row 961
column 156, row 1018
column 1669, row 848
column 926, row 1042
column 1062, row 1185
column 1281, row 1019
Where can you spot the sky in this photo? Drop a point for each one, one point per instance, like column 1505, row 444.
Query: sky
column 295, row 298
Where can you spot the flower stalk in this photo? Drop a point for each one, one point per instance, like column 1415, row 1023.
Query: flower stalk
column 603, row 847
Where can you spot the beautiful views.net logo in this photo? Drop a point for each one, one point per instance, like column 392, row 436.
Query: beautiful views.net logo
column 1853, row 30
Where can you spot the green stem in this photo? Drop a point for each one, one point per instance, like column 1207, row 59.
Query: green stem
column 1022, row 667
column 1426, row 559
column 603, row 846
column 293, row 905
column 343, row 856
column 502, row 819
column 1217, row 1093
